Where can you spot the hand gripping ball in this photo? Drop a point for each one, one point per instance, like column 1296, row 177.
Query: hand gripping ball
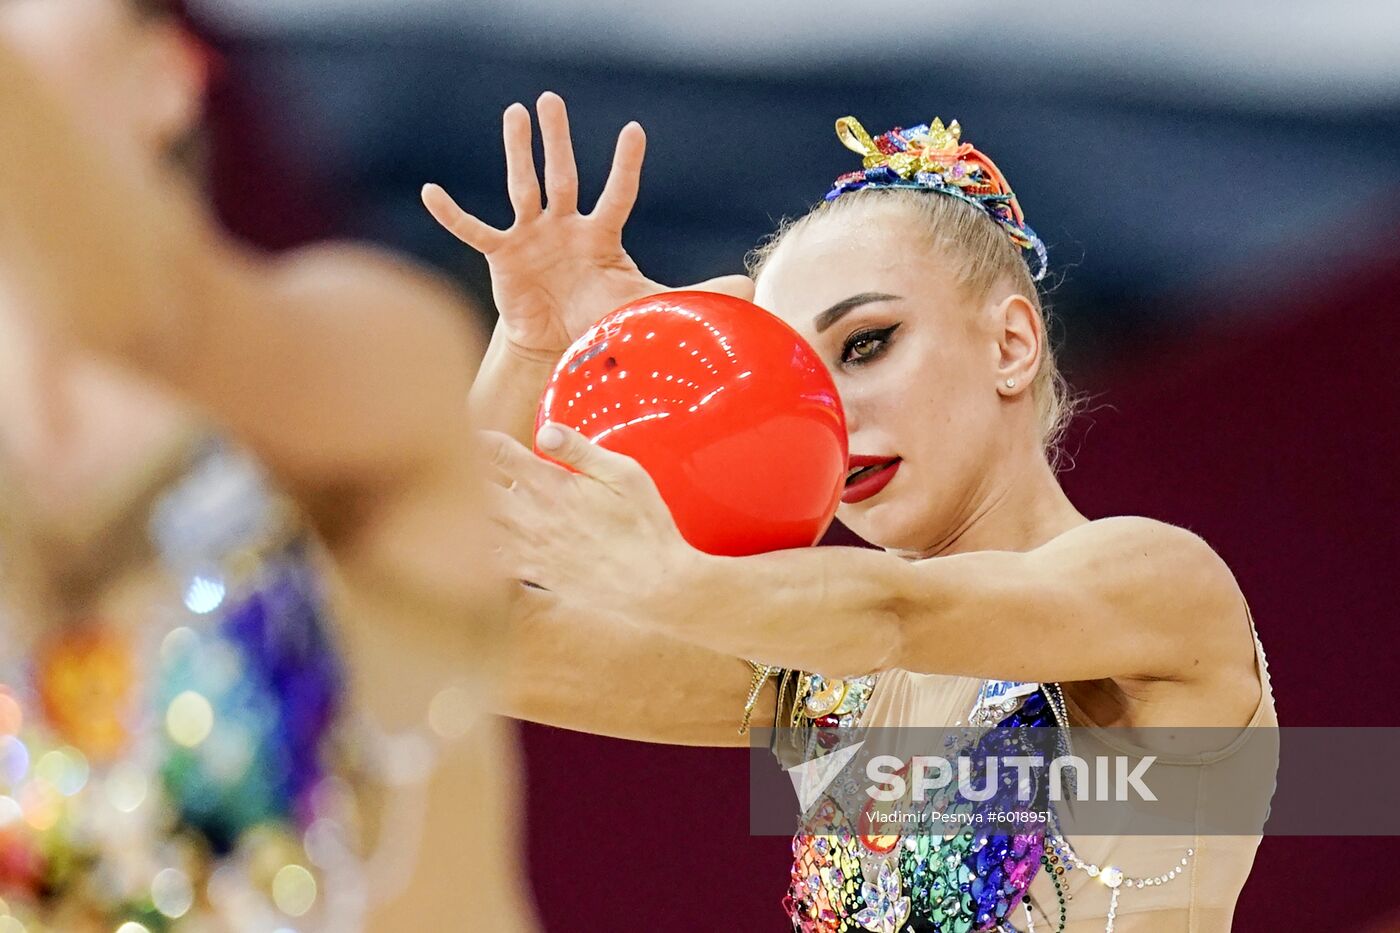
column 727, row 408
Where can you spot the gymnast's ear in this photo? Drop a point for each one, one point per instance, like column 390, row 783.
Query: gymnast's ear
column 1019, row 343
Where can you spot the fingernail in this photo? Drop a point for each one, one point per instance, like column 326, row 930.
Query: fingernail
column 550, row 438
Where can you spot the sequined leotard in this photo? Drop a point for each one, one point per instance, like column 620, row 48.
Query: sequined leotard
column 847, row 878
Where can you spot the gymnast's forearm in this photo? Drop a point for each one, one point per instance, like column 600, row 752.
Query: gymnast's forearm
column 830, row 610
column 854, row 611
column 1106, row 599
column 90, row 234
column 506, row 393
column 591, row 671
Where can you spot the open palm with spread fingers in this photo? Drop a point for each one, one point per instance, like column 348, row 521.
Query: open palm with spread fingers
column 555, row 271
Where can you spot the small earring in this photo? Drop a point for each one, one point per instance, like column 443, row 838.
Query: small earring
column 1011, row 383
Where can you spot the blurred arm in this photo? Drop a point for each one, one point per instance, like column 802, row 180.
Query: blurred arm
column 333, row 362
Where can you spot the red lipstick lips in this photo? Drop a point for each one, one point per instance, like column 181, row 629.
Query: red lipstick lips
column 866, row 476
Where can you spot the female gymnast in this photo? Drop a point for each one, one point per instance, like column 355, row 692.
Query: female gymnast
column 916, row 280
column 102, row 235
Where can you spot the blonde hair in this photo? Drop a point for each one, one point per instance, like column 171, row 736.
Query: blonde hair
column 986, row 257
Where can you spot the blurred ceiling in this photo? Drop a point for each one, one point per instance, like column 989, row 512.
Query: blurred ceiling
column 1183, row 162
column 1282, row 53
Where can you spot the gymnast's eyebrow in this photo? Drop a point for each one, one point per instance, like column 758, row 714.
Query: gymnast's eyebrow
column 846, row 305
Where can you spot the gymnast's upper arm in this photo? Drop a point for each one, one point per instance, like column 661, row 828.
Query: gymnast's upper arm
column 331, row 360
column 1118, row 597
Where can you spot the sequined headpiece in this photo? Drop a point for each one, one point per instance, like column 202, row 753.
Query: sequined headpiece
column 932, row 158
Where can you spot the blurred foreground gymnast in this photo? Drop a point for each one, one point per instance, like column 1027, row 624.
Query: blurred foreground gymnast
column 132, row 335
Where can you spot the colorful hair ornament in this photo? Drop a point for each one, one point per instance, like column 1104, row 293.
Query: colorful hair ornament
column 933, row 158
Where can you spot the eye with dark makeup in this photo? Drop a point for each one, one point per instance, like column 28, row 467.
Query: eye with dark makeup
column 867, row 345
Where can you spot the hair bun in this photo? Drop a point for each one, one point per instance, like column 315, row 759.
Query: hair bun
column 932, row 157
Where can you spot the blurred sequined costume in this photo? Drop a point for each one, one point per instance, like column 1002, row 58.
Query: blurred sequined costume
column 167, row 749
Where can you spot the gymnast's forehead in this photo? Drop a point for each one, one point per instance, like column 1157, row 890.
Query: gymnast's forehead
column 828, row 261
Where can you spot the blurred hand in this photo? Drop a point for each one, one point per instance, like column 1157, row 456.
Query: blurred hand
column 557, row 271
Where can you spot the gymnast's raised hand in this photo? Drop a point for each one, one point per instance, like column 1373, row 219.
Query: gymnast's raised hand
column 555, row 270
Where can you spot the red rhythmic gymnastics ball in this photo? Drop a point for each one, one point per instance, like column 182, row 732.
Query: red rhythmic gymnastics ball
column 728, row 409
